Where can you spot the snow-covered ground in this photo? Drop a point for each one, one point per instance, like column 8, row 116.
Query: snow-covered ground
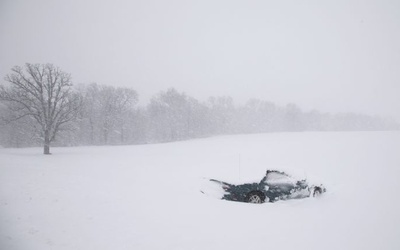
column 148, row 196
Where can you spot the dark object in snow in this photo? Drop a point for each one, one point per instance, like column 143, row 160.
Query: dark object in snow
column 274, row 186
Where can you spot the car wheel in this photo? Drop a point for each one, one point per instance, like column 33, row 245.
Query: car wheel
column 255, row 197
column 317, row 192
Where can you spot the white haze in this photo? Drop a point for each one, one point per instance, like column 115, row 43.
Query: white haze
column 334, row 56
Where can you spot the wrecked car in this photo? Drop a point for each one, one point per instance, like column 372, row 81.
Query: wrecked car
column 274, row 186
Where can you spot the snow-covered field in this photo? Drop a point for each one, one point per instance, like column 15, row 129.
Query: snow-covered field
column 148, row 196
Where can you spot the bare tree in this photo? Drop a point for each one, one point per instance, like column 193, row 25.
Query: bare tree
column 43, row 92
column 106, row 114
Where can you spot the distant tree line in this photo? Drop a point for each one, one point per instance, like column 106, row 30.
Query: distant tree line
column 41, row 106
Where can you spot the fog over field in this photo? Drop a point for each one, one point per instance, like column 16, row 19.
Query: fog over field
column 114, row 115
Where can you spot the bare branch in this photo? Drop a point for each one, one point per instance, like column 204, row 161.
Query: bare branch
column 42, row 92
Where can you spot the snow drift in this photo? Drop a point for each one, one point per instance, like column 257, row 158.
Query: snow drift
column 148, row 196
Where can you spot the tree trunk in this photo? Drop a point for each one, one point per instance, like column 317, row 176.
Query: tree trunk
column 46, row 148
column 91, row 131
column 122, row 135
column 105, row 135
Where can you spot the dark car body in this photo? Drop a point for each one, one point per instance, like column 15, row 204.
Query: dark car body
column 274, row 186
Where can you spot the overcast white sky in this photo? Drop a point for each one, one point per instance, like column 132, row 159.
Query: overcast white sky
column 335, row 56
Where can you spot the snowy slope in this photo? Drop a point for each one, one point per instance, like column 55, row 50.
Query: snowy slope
column 148, row 196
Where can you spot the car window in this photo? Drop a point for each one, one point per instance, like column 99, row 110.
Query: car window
column 275, row 178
